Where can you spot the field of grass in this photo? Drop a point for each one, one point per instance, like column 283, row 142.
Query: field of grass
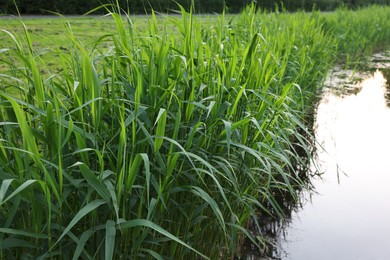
column 160, row 137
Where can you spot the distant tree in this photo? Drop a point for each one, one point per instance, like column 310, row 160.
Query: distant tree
column 164, row 6
column 7, row 6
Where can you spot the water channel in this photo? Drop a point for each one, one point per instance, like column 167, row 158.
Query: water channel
column 348, row 216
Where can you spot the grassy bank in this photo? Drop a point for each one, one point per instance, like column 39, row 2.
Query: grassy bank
column 162, row 141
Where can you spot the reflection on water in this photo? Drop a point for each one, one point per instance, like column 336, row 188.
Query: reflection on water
column 349, row 217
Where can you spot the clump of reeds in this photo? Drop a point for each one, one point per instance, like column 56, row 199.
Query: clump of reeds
column 157, row 144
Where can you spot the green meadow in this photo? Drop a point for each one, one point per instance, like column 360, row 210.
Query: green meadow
column 162, row 137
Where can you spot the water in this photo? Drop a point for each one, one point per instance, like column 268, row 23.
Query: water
column 349, row 217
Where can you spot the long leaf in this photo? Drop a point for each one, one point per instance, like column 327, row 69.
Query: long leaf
column 4, row 187
column 18, row 190
column 22, row 233
column 82, row 213
column 110, row 239
column 95, row 183
column 149, row 224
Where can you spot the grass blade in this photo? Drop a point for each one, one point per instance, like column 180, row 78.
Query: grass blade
column 82, row 213
column 110, row 239
column 157, row 228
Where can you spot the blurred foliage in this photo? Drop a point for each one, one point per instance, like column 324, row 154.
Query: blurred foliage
column 165, row 6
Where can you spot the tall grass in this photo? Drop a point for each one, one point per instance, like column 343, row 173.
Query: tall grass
column 359, row 33
column 158, row 144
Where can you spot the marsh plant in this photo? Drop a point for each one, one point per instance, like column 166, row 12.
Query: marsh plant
column 160, row 143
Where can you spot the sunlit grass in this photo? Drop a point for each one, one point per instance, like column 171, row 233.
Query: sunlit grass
column 159, row 141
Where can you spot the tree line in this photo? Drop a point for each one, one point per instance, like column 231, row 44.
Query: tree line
column 166, row 6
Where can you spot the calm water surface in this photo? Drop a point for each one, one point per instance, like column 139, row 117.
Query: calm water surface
column 349, row 218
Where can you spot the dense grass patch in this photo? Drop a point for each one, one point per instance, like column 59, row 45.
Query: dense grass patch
column 163, row 142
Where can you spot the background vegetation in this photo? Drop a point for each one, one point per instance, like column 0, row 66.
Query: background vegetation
column 162, row 138
column 164, row 6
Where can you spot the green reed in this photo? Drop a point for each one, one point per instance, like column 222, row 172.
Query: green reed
column 160, row 143
column 359, row 33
